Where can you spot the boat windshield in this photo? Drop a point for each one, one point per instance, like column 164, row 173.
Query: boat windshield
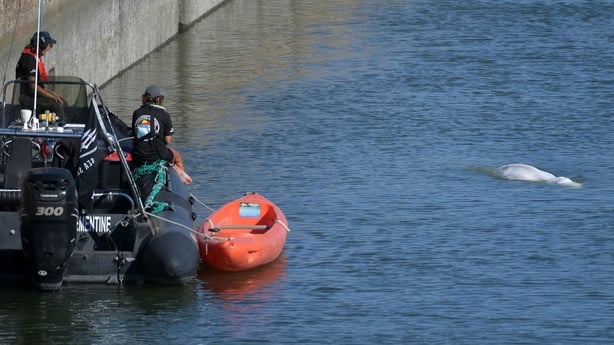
column 76, row 92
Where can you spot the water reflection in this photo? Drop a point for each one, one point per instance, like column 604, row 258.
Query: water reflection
column 245, row 300
column 90, row 313
column 213, row 71
column 255, row 285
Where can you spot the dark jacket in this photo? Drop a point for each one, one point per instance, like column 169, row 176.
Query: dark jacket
column 149, row 143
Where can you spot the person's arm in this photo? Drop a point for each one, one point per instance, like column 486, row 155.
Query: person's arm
column 168, row 133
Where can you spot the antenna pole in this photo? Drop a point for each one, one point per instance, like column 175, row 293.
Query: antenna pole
column 38, row 33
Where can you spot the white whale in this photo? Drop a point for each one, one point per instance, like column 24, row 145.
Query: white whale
column 525, row 172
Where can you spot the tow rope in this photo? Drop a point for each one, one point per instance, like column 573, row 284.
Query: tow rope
column 159, row 168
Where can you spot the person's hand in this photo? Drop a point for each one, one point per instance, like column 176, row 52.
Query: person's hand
column 58, row 98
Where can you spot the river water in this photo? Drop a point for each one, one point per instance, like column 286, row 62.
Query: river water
column 374, row 125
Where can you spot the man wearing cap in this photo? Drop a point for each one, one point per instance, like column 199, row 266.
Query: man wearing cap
column 153, row 130
column 29, row 62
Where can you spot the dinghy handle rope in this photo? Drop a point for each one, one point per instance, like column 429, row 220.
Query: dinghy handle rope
column 282, row 224
column 210, row 223
column 179, row 224
column 202, row 203
column 195, row 232
column 209, row 237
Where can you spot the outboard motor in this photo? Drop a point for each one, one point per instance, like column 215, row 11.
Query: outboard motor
column 48, row 224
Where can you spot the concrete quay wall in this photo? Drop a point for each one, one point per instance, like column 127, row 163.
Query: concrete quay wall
column 97, row 40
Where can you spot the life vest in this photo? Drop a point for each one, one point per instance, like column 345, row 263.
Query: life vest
column 42, row 70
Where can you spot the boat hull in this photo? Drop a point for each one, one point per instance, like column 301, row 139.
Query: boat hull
column 243, row 234
column 110, row 248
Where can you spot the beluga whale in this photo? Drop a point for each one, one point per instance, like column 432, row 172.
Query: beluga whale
column 525, row 172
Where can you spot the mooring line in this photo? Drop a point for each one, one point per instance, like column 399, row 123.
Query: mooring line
column 202, row 203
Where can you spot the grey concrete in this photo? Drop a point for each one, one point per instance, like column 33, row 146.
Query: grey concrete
column 97, row 40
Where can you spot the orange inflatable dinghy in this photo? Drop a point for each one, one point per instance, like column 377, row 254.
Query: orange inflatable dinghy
column 243, row 234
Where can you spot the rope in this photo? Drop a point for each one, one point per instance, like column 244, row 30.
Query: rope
column 178, row 224
column 209, row 237
column 195, row 232
column 282, row 224
column 160, row 169
column 149, row 168
column 202, row 203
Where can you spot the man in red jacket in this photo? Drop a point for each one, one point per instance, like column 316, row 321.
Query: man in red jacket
column 30, row 60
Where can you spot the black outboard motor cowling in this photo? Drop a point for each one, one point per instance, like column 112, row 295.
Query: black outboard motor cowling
column 48, row 223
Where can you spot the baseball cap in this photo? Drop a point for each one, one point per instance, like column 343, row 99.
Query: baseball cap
column 155, row 91
column 45, row 37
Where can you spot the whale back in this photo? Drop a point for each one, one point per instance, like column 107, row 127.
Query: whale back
column 565, row 181
column 525, row 172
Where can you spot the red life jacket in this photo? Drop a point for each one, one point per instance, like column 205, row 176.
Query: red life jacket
column 42, row 71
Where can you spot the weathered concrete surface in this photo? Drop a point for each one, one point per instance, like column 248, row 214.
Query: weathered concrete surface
column 192, row 10
column 96, row 39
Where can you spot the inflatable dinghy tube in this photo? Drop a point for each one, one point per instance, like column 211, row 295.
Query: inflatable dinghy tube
column 170, row 258
column 48, row 224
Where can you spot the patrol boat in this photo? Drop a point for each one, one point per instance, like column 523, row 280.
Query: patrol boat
column 73, row 209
